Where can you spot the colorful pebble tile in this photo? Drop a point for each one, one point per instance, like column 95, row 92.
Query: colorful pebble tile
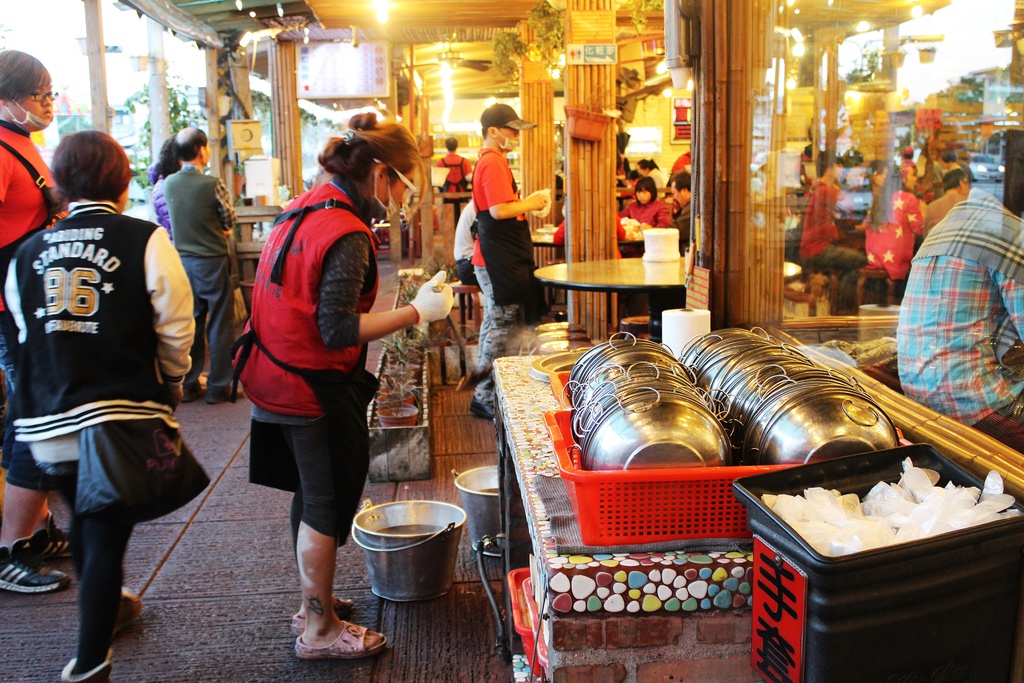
column 636, row 582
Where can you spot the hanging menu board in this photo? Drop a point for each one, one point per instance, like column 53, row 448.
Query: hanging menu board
column 338, row 70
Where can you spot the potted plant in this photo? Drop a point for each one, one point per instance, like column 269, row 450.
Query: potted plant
column 397, row 401
column 586, row 121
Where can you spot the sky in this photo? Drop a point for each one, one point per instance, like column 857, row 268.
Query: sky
column 48, row 29
column 968, row 46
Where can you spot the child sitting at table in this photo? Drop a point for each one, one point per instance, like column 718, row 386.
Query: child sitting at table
column 648, row 209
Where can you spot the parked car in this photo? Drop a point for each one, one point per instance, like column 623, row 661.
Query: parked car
column 984, row 167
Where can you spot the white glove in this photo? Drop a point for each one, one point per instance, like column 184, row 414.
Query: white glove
column 546, row 194
column 434, row 300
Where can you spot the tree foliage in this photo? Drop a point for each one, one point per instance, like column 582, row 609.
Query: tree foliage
column 180, row 116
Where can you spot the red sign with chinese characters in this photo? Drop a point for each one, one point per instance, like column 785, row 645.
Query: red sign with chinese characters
column 928, row 119
column 780, row 593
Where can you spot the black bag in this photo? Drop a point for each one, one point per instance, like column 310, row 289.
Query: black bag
column 135, row 470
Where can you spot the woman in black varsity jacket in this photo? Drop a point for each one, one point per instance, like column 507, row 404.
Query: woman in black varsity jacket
column 104, row 311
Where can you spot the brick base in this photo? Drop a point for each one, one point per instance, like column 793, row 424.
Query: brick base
column 682, row 648
column 725, row 670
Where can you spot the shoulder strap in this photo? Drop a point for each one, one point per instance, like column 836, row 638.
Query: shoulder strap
column 37, row 178
column 299, row 214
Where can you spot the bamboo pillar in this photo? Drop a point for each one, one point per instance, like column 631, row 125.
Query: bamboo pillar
column 421, row 101
column 590, row 170
column 284, row 114
column 537, row 162
column 96, row 52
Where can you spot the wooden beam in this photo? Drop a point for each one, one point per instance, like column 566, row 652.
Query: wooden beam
column 213, row 110
column 96, row 53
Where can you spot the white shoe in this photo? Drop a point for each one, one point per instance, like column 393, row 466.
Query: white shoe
column 101, row 674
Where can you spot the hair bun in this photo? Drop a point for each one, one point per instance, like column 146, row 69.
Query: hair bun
column 367, row 121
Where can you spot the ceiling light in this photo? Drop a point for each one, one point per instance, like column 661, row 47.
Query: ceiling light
column 667, row 92
column 238, row 5
column 382, row 10
column 556, row 74
column 689, row 85
column 661, row 68
column 252, row 14
column 796, row 35
column 916, row 11
column 863, row 26
column 790, row 83
column 280, row 10
column 799, row 50
column 789, row 3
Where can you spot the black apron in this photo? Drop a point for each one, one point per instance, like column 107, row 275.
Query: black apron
column 508, row 252
column 343, row 397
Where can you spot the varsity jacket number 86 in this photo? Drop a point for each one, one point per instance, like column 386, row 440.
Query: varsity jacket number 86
column 104, row 311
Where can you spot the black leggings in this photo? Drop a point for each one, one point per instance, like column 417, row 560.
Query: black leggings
column 330, row 487
column 97, row 551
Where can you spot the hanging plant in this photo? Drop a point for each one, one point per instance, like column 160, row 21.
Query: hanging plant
column 548, row 26
column 508, row 51
column 638, row 11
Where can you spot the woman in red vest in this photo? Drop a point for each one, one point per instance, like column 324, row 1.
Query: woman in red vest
column 303, row 356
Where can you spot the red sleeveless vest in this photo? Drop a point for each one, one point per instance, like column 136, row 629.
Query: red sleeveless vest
column 284, row 316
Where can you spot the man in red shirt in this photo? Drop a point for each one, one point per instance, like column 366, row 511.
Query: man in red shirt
column 819, row 248
column 503, row 255
column 460, row 171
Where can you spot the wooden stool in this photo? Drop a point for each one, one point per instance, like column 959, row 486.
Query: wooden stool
column 865, row 274
column 636, row 325
column 468, row 297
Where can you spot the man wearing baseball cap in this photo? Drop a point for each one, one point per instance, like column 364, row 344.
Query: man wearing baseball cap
column 503, row 255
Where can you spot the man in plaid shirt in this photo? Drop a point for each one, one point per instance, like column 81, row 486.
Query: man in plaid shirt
column 963, row 307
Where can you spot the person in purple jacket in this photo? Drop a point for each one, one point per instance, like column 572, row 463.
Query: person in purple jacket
column 166, row 164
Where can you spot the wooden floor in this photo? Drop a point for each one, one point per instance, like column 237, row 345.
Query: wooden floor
column 219, row 580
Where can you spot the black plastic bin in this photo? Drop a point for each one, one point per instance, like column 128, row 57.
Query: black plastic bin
column 939, row 609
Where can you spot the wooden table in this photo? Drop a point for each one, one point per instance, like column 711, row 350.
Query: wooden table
column 247, row 251
column 664, row 282
column 248, row 216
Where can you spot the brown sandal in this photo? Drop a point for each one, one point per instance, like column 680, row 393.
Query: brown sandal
column 342, row 608
column 354, row 642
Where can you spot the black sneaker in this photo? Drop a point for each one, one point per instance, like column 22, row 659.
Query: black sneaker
column 189, row 394
column 22, row 571
column 50, row 542
column 481, row 409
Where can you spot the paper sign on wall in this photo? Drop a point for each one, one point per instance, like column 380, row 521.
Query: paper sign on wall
column 698, row 288
column 338, row 70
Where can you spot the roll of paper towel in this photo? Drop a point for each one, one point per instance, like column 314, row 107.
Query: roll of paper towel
column 680, row 325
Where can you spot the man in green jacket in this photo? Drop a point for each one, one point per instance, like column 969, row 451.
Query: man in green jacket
column 201, row 220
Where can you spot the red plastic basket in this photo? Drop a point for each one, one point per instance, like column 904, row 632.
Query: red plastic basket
column 525, row 616
column 649, row 506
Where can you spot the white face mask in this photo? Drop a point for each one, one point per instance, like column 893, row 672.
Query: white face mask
column 509, row 144
column 31, row 124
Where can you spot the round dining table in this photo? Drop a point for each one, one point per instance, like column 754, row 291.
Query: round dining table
column 665, row 283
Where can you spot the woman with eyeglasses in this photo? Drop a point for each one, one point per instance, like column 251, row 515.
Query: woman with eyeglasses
column 302, row 362
column 28, row 536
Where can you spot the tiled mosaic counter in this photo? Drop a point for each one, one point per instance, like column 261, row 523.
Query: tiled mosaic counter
column 623, row 616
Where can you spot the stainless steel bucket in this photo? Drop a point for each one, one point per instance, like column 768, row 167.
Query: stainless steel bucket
column 479, row 491
column 410, row 547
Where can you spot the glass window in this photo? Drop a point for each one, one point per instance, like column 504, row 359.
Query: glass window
column 863, row 108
